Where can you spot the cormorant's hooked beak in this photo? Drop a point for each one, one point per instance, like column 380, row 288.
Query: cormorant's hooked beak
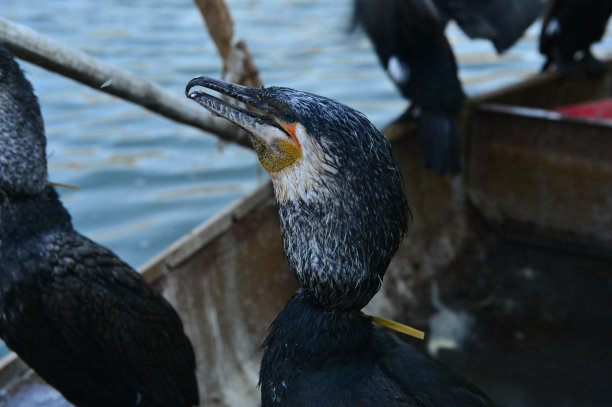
column 274, row 140
column 251, row 120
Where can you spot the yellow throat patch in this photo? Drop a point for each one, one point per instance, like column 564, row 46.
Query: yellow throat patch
column 280, row 154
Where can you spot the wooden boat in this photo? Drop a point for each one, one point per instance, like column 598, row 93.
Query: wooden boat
column 528, row 323
column 540, row 160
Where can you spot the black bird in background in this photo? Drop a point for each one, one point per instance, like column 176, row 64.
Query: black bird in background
column 408, row 36
column 569, row 28
column 343, row 215
column 88, row 323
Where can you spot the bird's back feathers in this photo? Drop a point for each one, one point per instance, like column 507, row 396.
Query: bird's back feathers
column 82, row 318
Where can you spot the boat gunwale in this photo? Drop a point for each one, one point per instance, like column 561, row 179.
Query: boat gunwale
column 540, row 114
column 534, row 80
column 204, row 233
column 11, row 369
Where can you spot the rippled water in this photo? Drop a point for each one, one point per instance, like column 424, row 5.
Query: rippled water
column 144, row 180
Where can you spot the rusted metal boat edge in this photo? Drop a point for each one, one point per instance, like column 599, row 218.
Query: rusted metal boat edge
column 529, row 82
column 539, row 85
column 541, row 114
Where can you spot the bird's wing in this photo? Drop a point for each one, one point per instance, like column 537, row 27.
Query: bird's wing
column 397, row 17
column 409, row 39
column 115, row 321
column 347, row 386
column 392, row 383
column 425, row 379
column 500, row 21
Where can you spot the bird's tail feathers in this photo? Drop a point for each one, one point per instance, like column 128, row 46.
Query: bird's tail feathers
column 439, row 140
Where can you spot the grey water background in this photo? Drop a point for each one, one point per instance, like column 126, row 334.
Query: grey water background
column 144, row 180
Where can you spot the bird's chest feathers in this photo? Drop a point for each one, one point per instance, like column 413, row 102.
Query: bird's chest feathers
column 310, row 178
column 299, row 183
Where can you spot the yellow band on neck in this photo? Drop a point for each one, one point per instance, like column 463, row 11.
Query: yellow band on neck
column 396, row 326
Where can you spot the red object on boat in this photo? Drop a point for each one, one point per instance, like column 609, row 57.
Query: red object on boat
column 601, row 108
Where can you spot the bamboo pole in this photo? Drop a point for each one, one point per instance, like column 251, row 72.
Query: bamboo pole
column 43, row 51
column 237, row 60
column 220, row 26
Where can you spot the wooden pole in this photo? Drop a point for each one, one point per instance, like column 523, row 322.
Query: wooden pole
column 220, row 26
column 237, row 60
column 34, row 47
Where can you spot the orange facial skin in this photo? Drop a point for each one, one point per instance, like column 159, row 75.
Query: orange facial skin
column 290, row 127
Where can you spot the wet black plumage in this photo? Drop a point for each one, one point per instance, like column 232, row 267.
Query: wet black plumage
column 320, row 357
column 415, row 53
column 569, row 28
column 408, row 36
column 343, row 215
column 87, row 322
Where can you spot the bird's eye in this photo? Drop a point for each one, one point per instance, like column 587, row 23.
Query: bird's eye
column 288, row 116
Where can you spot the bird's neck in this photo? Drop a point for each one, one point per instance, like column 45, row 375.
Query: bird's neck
column 334, row 249
column 303, row 319
column 24, row 216
column 23, row 163
column 306, row 336
column 341, row 224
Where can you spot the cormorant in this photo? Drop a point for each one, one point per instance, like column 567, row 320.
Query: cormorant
column 84, row 320
column 569, row 27
column 343, row 215
column 408, row 36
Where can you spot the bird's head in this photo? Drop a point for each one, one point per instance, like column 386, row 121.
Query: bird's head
column 23, row 164
column 342, row 209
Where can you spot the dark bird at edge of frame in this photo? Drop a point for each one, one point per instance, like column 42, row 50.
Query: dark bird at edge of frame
column 569, row 28
column 84, row 320
column 343, row 215
column 409, row 40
